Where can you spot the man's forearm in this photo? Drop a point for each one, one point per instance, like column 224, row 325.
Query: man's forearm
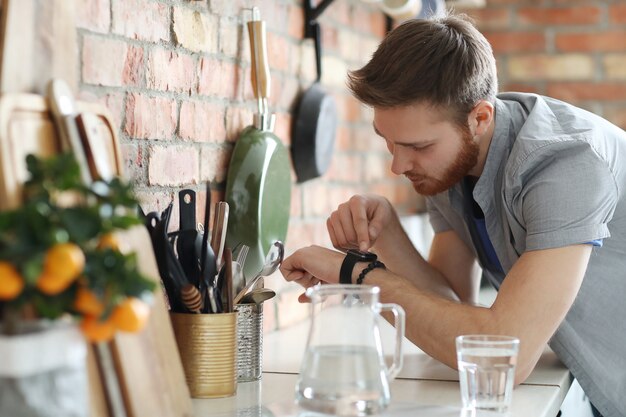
column 396, row 251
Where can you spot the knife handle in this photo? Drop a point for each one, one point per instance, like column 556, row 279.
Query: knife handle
column 63, row 110
column 261, row 81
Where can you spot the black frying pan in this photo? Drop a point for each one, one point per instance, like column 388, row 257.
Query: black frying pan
column 315, row 124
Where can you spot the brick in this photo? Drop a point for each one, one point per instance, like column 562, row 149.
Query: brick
column 202, row 122
column 616, row 115
column 330, row 39
column 171, row 71
column 154, row 201
column 114, row 102
column 214, row 163
column 617, row 13
column 132, row 157
column 194, row 30
column 491, row 18
column 582, row 91
column 378, row 25
column 342, row 139
column 350, row 108
column 237, row 119
column 614, row 40
column 295, row 209
column 341, row 12
column 491, row 3
column 93, row 15
column 230, row 7
column 313, row 205
column 344, row 168
column 397, row 192
column 365, row 140
column 282, row 128
column 571, row 2
column 360, row 19
column 277, row 52
column 230, row 39
column 144, row 20
column 335, row 70
column 580, row 15
column 307, row 71
column 295, row 24
column 275, row 13
column 289, row 91
column 521, row 87
column 377, row 167
column 134, row 68
column 511, row 42
column 150, row 117
column 289, row 311
column 615, row 66
column 172, row 165
column 348, row 44
column 218, row 78
column 103, row 61
column 547, row 67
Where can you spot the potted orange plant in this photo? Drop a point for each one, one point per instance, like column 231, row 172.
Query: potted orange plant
column 62, row 268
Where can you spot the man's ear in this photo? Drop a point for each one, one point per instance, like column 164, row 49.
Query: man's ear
column 481, row 117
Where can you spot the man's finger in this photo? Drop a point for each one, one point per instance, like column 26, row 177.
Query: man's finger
column 360, row 222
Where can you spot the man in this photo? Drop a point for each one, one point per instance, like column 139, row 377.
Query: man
column 531, row 187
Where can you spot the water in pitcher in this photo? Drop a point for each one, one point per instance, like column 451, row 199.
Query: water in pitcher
column 343, row 380
column 486, row 377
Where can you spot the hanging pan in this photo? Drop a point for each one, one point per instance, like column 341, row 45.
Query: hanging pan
column 258, row 185
column 315, row 124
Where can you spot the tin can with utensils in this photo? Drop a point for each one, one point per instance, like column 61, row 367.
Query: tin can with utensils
column 206, row 343
column 249, row 341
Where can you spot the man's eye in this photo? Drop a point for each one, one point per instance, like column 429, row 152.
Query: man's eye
column 420, row 148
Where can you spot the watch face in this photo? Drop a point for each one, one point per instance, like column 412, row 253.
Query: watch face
column 360, row 255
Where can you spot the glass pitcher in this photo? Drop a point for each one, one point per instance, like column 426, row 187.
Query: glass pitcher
column 343, row 370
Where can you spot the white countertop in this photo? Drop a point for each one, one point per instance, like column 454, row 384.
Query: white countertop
column 424, row 386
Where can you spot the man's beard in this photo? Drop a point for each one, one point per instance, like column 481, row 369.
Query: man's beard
column 464, row 162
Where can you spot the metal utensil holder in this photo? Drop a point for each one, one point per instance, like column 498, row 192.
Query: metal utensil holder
column 249, row 341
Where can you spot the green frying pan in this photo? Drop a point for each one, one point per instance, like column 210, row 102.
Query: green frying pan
column 258, row 184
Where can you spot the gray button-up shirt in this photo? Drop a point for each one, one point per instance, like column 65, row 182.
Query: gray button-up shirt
column 555, row 175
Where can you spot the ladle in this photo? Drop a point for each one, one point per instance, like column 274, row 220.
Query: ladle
column 257, row 296
column 272, row 261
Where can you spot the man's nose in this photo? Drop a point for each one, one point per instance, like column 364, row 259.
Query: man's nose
column 400, row 162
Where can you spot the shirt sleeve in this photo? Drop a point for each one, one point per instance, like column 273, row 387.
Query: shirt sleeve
column 567, row 196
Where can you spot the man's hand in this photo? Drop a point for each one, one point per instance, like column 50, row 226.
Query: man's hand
column 312, row 265
column 358, row 222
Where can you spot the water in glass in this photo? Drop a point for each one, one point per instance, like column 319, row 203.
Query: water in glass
column 486, row 376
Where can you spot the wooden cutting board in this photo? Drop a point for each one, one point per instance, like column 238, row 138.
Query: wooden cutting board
column 38, row 43
column 148, row 364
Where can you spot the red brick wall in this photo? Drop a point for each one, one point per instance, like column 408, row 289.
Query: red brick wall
column 175, row 75
column 574, row 50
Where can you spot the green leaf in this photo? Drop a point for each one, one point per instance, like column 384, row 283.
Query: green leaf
column 81, row 223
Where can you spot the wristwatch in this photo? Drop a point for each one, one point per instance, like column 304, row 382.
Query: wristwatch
column 353, row 256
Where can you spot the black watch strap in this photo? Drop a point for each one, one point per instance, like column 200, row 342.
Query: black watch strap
column 352, row 257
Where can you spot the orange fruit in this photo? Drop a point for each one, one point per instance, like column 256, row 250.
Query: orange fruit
column 95, row 330
column 131, row 315
column 108, row 241
column 51, row 284
column 88, row 303
column 62, row 265
column 11, row 282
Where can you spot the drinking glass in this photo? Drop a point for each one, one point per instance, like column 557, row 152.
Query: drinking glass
column 487, row 370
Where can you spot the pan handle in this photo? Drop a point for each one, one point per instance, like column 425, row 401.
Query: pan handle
column 261, row 82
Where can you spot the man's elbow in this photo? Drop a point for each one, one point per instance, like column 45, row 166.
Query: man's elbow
column 523, row 371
